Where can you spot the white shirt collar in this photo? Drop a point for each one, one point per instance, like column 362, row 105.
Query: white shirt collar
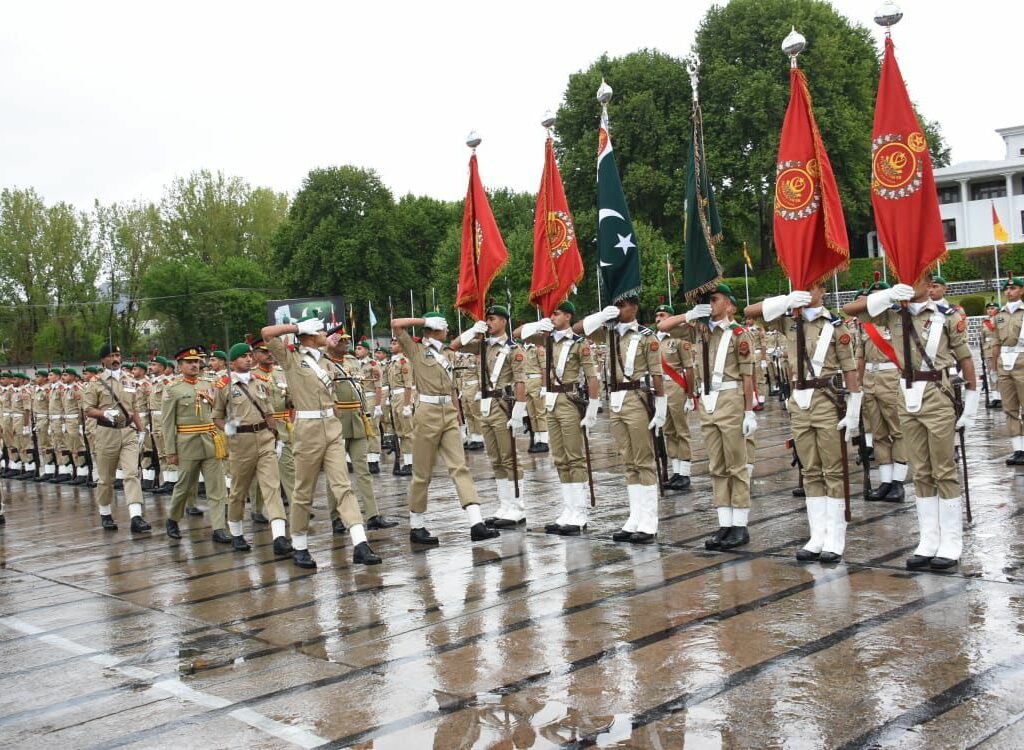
column 491, row 340
column 621, row 328
column 115, row 374
column 1012, row 307
column 813, row 313
column 917, row 307
column 312, row 351
column 563, row 334
column 436, row 343
column 395, row 357
column 241, row 377
column 723, row 323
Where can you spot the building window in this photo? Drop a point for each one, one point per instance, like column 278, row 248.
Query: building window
column 949, row 194
column 949, row 230
column 1022, row 222
column 983, row 191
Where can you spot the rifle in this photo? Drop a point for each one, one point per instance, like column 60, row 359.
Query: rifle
column 35, row 444
column 85, row 442
column 864, row 457
column 396, row 443
column 958, row 409
column 660, row 453
column 791, row 444
column 512, row 439
column 984, row 373
column 153, row 454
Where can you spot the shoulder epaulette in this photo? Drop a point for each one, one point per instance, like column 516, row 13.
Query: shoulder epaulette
column 578, row 337
column 837, row 321
column 948, row 310
column 222, row 381
column 644, row 331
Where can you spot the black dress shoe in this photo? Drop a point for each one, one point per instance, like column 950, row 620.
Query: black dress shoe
column 505, row 523
column 147, row 485
column 2, row 519
column 829, row 557
column 943, row 563
column 422, row 536
column 348, row 465
column 239, row 544
column 172, row 529
column 896, row 493
column 60, row 478
column 118, row 484
column 140, row 525
column 879, row 492
column 715, row 542
column 303, row 559
column 363, row 555
column 282, row 547
column 192, row 510
column 258, row 517
column 552, row 528
column 737, row 537
column 164, row 489
column 622, row 536
column 996, row 404
column 220, row 536
column 805, row 555
column 376, row 523
column 108, row 523
column 77, row 481
column 571, row 529
column 201, row 489
column 799, row 492
column 1016, row 459
column 474, row 445
column 918, row 562
column 374, row 469
column 337, row 526
column 46, row 478
column 403, row 471
column 641, row 537
column 479, row 533
column 538, row 448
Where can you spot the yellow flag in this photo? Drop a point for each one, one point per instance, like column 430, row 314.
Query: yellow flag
column 746, row 258
column 998, row 230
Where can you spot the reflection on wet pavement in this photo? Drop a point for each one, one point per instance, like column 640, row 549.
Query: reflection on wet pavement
column 529, row 640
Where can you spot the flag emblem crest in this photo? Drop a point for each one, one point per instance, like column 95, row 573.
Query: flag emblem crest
column 561, row 233
column 796, row 189
column 479, row 232
column 896, row 170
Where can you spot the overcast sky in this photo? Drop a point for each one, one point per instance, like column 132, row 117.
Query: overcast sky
column 112, row 100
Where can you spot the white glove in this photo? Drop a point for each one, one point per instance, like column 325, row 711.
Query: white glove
column 518, row 413
column 590, row 418
column 852, row 419
column 544, row 325
column 64, row 428
column 26, row 430
column 883, row 299
column 698, row 311
column 310, row 326
column 471, row 333
column 660, row 413
column 775, row 307
column 231, row 427
column 279, row 448
column 798, row 298
column 764, row 364
column 966, row 420
column 407, row 410
column 378, row 412
column 749, row 423
column 112, row 415
column 595, row 320
column 901, row 293
column 141, row 437
column 688, row 405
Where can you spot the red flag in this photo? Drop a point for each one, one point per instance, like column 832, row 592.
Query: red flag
column 557, row 265
column 483, row 250
column 902, row 186
column 810, row 231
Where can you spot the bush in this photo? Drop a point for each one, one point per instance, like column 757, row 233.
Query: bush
column 973, row 304
column 736, row 284
column 957, row 267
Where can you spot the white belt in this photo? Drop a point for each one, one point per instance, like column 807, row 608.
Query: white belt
column 398, row 391
column 1010, row 350
column 879, row 366
column 533, row 377
column 8, row 413
column 315, row 414
column 143, row 413
column 425, row 399
column 470, row 382
column 70, row 416
column 156, row 413
column 725, row 385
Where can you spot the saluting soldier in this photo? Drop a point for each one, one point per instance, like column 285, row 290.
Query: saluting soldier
column 814, row 411
column 501, row 375
column 317, row 437
column 678, row 355
column 1008, row 345
column 533, row 367
column 242, row 409
column 727, row 403
column 571, row 359
column 356, row 432
column 636, row 357
column 400, row 393
column 111, row 402
column 436, row 427
column 928, row 411
column 273, row 376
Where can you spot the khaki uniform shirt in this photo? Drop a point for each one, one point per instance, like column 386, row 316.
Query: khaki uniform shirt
column 96, row 396
column 512, row 369
column 839, row 357
column 188, row 407
column 739, row 358
column 952, row 344
column 579, row 360
column 231, row 403
column 305, row 389
column 647, row 360
column 432, row 370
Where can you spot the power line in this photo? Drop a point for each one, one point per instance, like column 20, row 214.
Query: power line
column 136, row 299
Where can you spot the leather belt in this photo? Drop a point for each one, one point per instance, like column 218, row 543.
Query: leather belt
column 563, row 388
column 496, row 393
column 628, row 385
column 251, row 427
column 814, row 383
column 932, row 376
column 196, row 429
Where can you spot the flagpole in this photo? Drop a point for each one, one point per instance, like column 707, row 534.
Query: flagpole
column 995, row 252
column 412, row 310
column 433, row 299
column 746, row 267
column 835, row 285
column 391, row 316
column 668, row 278
column 369, row 309
column 599, row 307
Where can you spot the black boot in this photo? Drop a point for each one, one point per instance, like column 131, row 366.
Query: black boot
column 221, row 536
column 571, row 529
column 107, row 522
column 552, row 528
column 896, row 493
column 239, row 544
column 879, row 493
column 164, row 489
column 673, row 481
column 337, row 526
column 282, row 547
column 943, row 563
column 829, row 557
column 479, row 533
column 422, row 536
column 538, row 448
column 118, row 484
column 799, row 492
column 140, row 525
column 622, row 536
column 640, row 537
column 737, row 537
column 715, row 542
column 258, row 517
column 147, row 485
column 918, row 562
column 375, row 523
column 173, row 532
column 201, row 489
column 805, row 555
column 192, row 510
column 374, row 469
column 364, row 555
column 61, row 478
column 303, row 559
column 1017, row 459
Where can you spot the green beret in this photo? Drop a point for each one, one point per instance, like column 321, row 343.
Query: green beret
column 107, row 349
column 71, row 371
column 723, row 288
column 498, row 310
column 219, row 355
column 567, row 307
column 6, row 374
column 665, row 309
column 936, row 279
column 1013, row 281
column 21, row 376
column 238, row 350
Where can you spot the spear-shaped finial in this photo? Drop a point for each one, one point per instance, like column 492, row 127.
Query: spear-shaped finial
column 473, row 139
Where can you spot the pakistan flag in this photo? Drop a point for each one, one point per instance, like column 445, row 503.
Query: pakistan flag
column 618, row 254
column 701, row 269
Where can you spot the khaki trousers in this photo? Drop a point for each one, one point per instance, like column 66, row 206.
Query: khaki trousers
column 535, row 405
column 11, row 440
column 929, row 436
column 817, row 444
column 252, row 458
column 187, row 485
column 286, row 472
column 629, row 428
column 1011, row 388
column 73, row 442
column 119, row 449
column 317, row 444
column 498, row 442
column 882, row 399
column 43, row 439
column 722, row 430
column 677, row 428
column 436, row 432
column 363, row 481
column 566, row 437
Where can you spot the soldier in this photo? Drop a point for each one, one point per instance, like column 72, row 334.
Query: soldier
column 11, row 440
column 636, row 356
column 727, row 403
column 988, row 339
column 400, row 393
column 218, row 364
column 467, row 383
column 242, row 410
column 880, row 385
column 813, row 409
column 678, row 355
column 41, row 425
column 369, row 375
column 356, row 433
column 502, row 373
column 21, row 423
column 1007, row 346
column 316, row 438
column 571, row 358
column 111, row 402
column 78, row 470
column 275, row 380
column 435, row 427
column 533, row 366
column 194, row 445
column 760, row 362
column 928, row 411
column 164, row 479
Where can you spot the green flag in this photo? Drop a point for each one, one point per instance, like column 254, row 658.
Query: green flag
column 701, row 269
column 618, row 254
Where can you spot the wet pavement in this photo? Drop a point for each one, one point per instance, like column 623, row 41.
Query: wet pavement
column 527, row 641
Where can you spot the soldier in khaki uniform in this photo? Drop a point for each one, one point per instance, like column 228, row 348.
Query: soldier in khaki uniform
column 571, row 359
column 436, row 427
column 467, row 383
column 928, row 415
column 78, row 471
column 12, row 442
column 1007, row 346
column 317, row 437
column 242, row 410
column 21, row 423
column 275, row 380
column 115, row 443
column 356, row 433
column 727, row 404
column 760, row 357
column 369, row 375
column 160, row 379
column 679, row 356
column 815, row 420
column 56, row 412
column 401, row 406
column 533, row 367
column 636, row 357
column 41, row 425
column 503, row 372
column 988, row 340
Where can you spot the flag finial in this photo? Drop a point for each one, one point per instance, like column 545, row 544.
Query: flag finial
column 692, row 67
column 548, row 121
column 888, row 15
column 793, row 45
column 473, row 139
column 604, row 93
